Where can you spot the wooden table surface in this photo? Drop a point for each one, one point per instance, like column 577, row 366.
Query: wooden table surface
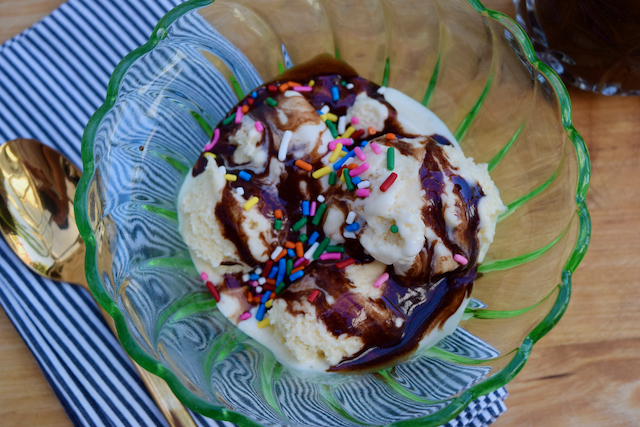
column 585, row 372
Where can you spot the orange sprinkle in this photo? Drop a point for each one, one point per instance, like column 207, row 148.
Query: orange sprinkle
column 280, row 256
column 245, row 109
column 304, row 165
column 390, row 136
column 295, row 270
column 249, row 297
column 278, row 214
column 290, row 245
column 271, row 281
column 283, row 87
column 352, row 166
column 293, row 84
column 371, row 130
column 273, row 295
column 299, row 249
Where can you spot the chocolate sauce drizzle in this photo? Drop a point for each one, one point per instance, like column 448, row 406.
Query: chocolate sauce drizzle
column 423, row 299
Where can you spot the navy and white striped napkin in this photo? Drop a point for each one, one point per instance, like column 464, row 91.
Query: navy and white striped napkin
column 52, row 78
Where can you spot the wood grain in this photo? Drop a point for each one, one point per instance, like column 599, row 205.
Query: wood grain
column 585, row 372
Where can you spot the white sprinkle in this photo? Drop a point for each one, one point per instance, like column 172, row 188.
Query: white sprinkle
column 240, row 191
column 349, row 235
column 258, row 289
column 349, row 86
column 284, row 145
column 364, row 184
column 399, row 322
column 245, row 277
column 262, row 280
column 342, row 125
column 309, row 254
column 321, row 198
column 223, row 170
column 290, row 93
column 325, row 109
column 276, row 252
column 351, row 217
column 381, row 90
column 258, row 270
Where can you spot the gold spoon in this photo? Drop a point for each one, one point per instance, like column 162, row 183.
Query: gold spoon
column 37, row 221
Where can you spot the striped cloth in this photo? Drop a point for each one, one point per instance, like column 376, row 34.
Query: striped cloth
column 52, row 78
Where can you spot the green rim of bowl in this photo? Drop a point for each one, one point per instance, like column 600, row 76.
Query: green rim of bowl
column 459, row 403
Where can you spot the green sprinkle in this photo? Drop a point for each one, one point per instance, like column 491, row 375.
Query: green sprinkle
column 229, row 119
column 280, row 287
column 277, row 224
column 347, row 179
column 298, row 225
column 332, row 128
column 289, row 266
column 322, row 247
column 343, row 83
column 332, row 178
column 391, row 158
column 303, row 238
column 335, row 248
column 394, row 229
column 319, row 213
column 271, row 102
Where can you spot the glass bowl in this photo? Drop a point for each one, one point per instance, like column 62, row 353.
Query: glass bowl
column 475, row 68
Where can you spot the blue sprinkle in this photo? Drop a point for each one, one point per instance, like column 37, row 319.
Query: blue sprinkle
column 337, row 165
column 364, row 144
column 254, row 94
column 295, row 276
column 305, row 208
column 334, row 93
column 261, row 311
column 356, row 180
column 273, row 272
column 265, row 297
column 345, row 149
column 353, row 227
column 282, row 270
column 312, row 239
column 291, row 253
column 254, row 276
column 320, row 112
column 244, row 175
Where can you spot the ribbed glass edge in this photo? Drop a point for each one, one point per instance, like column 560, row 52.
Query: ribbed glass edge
column 458, row 404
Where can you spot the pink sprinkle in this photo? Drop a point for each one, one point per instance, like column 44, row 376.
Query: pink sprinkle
column 204, row 276
column 357, row 171
column 343, row 141
column 331, row 255
column 360, row 154
column 354, row 120
column 239, row 115
column 216, row 136
column 259, row 127
column 254, row 283
column 257, row 296
column 376, row 148
column 303, row 88
column 362, row 192
column 459, row 258
column 380, row 280
column 245, row 315
column 312, row 211
column 298, row 262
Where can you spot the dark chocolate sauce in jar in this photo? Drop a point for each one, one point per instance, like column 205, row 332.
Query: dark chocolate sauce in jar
column 410, row 306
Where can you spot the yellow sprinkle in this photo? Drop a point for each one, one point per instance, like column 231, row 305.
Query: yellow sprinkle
column 264, row 322
column 342, row 175
column 311, row 83
column 323, row 117
column 269, row 303
column 251, row 203
column 342, row 153
column 209, row 155
column 322, row 172
column 230, row 177
column 332, row 117
column 336, row 153
column 350, row 130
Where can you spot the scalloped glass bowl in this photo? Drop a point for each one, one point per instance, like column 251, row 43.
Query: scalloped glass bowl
column 473, row 67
